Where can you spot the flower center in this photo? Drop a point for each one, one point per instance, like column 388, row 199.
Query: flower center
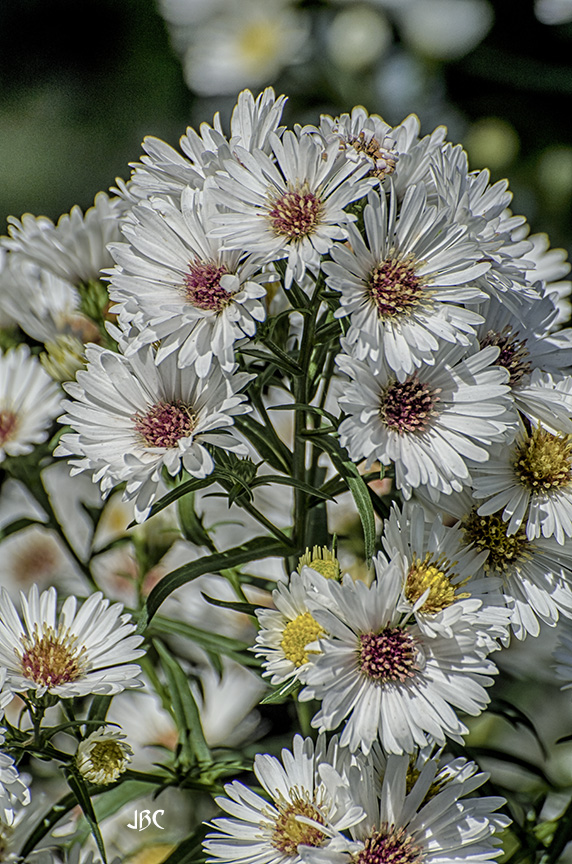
column 543, row 461
column 297, row 634
column 392, row 846
column 165, row 424
column 52, row 658
column 394, row 287
column 383, row 156
column 432, row 575
column 202, row 285
column 387, row 656
column 8, row 425
column 489, row 532
column 322, row 560
column 288, row 832
column 107, row 757
column 296, row 213
column 408, row 406
column 513, row 353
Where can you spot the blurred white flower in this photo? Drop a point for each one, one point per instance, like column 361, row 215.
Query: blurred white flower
column 445, row 29
column 553, row 11
column 357, row 37
column 248, row 44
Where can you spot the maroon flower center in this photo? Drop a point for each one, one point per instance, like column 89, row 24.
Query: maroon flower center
column 296, row 213
column 8, row 424
column 202, row 284
column 387, row 656
column 391, row 847
column 513, row 353
column 165, row 423
column 394, row 287
column 408, row 406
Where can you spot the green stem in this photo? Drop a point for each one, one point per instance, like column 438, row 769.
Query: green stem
column 562, row 836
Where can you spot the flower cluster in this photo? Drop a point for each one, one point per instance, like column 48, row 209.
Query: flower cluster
column 283, row 316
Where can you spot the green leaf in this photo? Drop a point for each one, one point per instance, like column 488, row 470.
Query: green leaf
column 213, row 643
column 178, row 492
column 245, row 608
column 281, row 359
column 18, row 525
column 192, row 524
column 281, row 693
column 79, row 789
column 253, row 550
column 310, row 409
column 356, row 485
column 269, row 479
column 99, row 708
column 266, row 441
column 184, row 710
column 515, row 717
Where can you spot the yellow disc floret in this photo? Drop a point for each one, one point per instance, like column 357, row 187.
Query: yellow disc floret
column 435, row 575
column 543, row 461
column 297, row 634
column 322, row 560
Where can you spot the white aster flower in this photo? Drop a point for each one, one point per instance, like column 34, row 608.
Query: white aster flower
column 417, row 813
column 13, row 790
column 553, row 11
column 309, row 803
column 246, row 46
column 548, row 266
column 382, row 677
column 180, row 288
column 286, row 631
column 165, row 171
column 404, row 289
column 103, row 756
column 292, row 207
column 531, row 483
column 429, row 424
column 442, row 575
column 131, row 418
column 76, row 248
column 532, row 577
column 73, row 653
column 387, row 150
column 29, row 402
column 535, row 358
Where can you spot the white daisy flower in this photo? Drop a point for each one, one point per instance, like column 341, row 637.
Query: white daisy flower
column 442, row 575
column 531, row 482
column 246, row 46
column 417, row 815
column 429, row 424
column 382, row 677
column 13, row 790
column 103, row 756
column 165, row 171
column 286, row 631
column 533, row 578
column 73, row 653
column 29, row 402
column 292, row 207
column 180, row 288
column 532, row 355
column 76, row 248
column 309, row 803
column 132, row 418
column 404, row 289
column 388, row 150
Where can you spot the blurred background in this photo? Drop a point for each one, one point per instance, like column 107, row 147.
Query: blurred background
column 82, row 84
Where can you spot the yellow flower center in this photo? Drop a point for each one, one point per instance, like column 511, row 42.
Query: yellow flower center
column 297, row 634
column 288, row 832
column 322, row 560
column 258, row 43
column 432, row 575
column 109, row 757
column 543, row 461
column 489, row 532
